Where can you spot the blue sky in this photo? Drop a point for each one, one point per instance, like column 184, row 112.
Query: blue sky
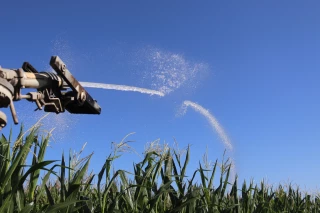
column 259, row 77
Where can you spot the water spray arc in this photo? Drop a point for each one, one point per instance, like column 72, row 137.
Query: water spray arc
column 213, row 122
column 216, row 126
column 122, row 88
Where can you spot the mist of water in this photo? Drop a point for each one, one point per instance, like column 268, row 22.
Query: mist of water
column 167, row 71
column 212, row 120
column 122, row 88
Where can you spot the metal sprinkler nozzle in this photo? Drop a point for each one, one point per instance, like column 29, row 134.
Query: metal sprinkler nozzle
column 56, row 92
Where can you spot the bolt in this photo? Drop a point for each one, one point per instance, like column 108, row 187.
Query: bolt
column 83, row 96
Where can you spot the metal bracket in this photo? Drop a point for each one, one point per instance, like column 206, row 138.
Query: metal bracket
column 83, row 103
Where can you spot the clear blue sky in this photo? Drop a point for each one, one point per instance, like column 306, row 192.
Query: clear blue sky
column 262, row 80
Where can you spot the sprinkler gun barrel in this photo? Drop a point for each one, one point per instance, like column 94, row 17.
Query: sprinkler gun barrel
column 55, row 92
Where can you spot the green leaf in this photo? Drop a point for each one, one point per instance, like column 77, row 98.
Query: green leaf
column 61, row 206
column 62, row 180
column 28, row 208
column 35, row 167
column 17, row 160
column 50, row 198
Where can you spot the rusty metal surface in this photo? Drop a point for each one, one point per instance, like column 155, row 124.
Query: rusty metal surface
column 13, row 113
column 27, row 67
column 3, row 120
column 7, row 85
column 83, row 103
column 6, row 99
column 6, row 93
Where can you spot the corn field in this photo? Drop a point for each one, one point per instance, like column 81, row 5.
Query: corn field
column 157, row 184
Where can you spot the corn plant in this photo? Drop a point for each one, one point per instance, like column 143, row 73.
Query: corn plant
column 158, row 183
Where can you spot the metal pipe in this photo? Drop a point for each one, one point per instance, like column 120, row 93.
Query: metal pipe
column 28, row 79
column 14, row 113
column 38, row 80
column 36, row 83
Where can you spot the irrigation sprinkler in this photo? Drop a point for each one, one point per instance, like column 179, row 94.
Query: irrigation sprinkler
column 56, row 92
